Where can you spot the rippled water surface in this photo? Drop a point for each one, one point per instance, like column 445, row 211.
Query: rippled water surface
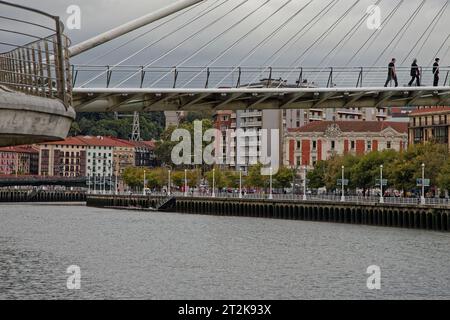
column 129, row 255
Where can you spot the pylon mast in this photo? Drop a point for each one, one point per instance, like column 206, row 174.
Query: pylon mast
column 136, row 134
column 131, row 26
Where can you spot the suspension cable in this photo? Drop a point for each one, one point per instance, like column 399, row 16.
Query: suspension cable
column 436, row 19
column 351, row 32
column 440, row 48
column 214, row 39
column 297, row 36
column 376, row 33
column 276, row 31
column 193, row 35
column 234, row 44
column 429, row 35
column 204, row 12
column 175, row 16
column 322, row 37
column 404, row 27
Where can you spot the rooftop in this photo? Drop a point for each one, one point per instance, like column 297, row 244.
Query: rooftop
column 427, row 110
column 353, row 126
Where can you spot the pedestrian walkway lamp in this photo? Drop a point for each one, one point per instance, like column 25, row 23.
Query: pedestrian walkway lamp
column 214, row 184
column 270, row 188
column 143, row 192
column 240, row 183
column 185, row 182
column 304, row 183
column 381, row 184
column 422, row 199
column 168, row 184
column 343, row 182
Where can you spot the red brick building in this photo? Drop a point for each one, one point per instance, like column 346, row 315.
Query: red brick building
column 320, row 140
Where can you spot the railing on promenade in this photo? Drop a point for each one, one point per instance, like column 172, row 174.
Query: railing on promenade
column 128, row 76
column 335, row 198
column 34, row 55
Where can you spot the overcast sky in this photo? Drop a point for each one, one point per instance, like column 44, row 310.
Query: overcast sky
column 101, row 15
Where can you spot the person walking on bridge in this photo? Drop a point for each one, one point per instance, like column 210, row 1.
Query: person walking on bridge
column 436, row 72
column 415, row 74
column 392, row 73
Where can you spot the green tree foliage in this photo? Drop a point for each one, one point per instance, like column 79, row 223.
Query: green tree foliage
column 317, row 176
column 400, row 168
column 232, row 179
column 165, row 145
column 104, row 124
column 444, row 176
column 255, row 179
column 283, row 178
column 220, row 178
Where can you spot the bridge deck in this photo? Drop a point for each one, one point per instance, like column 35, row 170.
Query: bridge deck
column 154, row 99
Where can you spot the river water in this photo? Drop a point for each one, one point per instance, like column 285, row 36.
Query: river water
column 131, row 255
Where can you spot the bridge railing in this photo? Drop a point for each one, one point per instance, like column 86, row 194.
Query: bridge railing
column 34, row 53
column 232, row 77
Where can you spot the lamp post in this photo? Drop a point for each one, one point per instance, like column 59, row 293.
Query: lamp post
column 117, row 185
column 95, row 184
column 104, row 182
column 168, row 184
column 270, row 186
column 422, row 199
column 381, row 184
column 343, row 188
column 143, row 192
column 185, row 182
column 110, row 177
column 214, row 184
column 304, row 183
column 240, row 183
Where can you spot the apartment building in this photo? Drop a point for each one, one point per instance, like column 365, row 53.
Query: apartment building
column 20, row 160
column 430, row 124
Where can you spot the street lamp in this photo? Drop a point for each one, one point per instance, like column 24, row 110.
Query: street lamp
column 422, row 199
column 270, row 187
column 381, row 184
column 214, row 184
column 240, row 183
column 304, row 183
column 185, row 182
column 343, row 188
column 168, row 184
column 144, row 184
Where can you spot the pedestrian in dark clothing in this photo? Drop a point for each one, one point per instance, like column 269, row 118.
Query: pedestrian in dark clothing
column 436, row 72
column 415, row 73
column 392, row 73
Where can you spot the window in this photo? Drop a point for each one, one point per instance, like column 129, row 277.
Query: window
column 388, row 144
column 299, row 144
column 352, row 145
column 299, row 161
column 333, row 145
column 314, row 145
column 369, row 145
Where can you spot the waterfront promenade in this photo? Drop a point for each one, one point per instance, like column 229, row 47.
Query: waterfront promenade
column 415, row 216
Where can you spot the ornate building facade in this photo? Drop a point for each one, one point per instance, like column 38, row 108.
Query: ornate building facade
column 321, row 140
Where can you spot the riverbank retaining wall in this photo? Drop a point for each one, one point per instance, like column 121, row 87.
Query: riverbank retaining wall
column 402, row 216
column 41, row 196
